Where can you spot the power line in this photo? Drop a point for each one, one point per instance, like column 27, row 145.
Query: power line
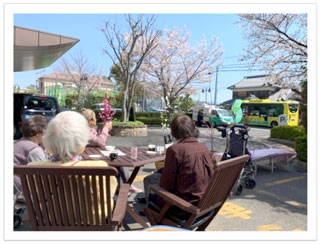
column 241, row 70
column 239, row 65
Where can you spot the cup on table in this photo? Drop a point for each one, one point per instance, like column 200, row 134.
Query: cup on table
column 160, row 150
column 113, row 155
column 151, row 147
column 134, row 153
column 109, row 148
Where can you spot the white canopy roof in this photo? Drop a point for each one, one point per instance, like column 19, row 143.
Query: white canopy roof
column 36, row 49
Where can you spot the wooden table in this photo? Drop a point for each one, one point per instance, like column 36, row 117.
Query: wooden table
column 127, row 161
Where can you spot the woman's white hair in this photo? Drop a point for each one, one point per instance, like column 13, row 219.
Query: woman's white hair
column 66, row 135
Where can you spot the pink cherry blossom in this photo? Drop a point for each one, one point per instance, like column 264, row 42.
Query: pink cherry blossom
column 107, row 114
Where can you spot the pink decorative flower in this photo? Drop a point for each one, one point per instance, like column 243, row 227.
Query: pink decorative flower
column 107, row 114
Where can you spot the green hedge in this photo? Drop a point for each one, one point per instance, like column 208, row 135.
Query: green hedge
column 150, row 120
column 287, row 132
column 118, row 115
column 150, row 114
column 301, row 147
column 296, row 134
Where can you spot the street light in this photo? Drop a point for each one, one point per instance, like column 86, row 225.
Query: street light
column 215, row 88
column 84, row 78
column 206, row 90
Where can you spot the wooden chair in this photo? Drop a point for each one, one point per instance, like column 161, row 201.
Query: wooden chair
column 72, row 198
column 197, row 217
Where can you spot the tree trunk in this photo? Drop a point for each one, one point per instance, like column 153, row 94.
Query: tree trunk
column 125, row 108
column 131, row 106
column 132, row 115
column 170, row 109
column 79, row 103
column 124, row 116
column 303, row 106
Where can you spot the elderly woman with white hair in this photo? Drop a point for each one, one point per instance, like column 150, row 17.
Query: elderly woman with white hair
column 66, row 137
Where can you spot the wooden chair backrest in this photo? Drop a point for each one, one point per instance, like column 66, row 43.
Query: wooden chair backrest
column 67, row 198
column 221, row 184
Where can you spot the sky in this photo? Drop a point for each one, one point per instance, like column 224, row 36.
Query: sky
column 87, row 28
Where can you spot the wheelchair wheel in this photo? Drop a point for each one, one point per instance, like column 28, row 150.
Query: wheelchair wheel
column 17, row 221
column 250, row 183
column 238, row 190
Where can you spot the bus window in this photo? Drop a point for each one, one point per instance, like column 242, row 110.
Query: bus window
column 253, row 109
column 245, row 109
column 263, row 110
column 275, row 110
column 293, row 107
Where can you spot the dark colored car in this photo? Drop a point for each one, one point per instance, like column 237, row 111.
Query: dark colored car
column 27, row 105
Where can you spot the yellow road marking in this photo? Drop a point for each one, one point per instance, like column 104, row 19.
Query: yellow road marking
column 287, row 201
column 278, row 182
column 269, row 228
column 139, row 178
column 231, row 210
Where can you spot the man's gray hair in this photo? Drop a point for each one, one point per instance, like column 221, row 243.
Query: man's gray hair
column 66, row 134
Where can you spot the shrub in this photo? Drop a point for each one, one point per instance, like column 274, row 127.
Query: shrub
column 149, row 114
column 287, row 132
column 150, row 120
column 301, row 147
column 129, row 123
column 118, row 115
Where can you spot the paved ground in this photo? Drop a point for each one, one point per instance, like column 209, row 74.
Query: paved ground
column 155, row 136
column 279, row 201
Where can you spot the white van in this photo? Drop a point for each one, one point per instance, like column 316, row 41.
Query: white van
column 98, row 107
column 219, row 116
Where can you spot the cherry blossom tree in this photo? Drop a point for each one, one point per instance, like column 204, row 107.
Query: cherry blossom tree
column 174, row 66
column 127, row 49
column 84, row 76
column 278, row 42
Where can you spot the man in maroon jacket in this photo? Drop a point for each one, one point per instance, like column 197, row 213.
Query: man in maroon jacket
column 188, row 165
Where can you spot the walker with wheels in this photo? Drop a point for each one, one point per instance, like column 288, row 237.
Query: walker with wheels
column 236, row 145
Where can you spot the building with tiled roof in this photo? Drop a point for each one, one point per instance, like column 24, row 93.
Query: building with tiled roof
column 283, row 95
column 70, row 82
column 261, row 86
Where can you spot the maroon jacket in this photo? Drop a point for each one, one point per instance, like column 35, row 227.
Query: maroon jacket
column 187, row 170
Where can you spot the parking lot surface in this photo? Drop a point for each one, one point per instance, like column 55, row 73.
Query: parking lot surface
column 277, row 203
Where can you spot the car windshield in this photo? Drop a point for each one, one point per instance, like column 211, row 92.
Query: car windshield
column 39, row 103
column 98, row 106
column 293, row 107
column 223, row 112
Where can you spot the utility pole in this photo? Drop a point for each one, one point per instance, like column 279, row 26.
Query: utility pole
column 206, row 94
column 40, row 75
column 143, row 101
column 216, row 88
